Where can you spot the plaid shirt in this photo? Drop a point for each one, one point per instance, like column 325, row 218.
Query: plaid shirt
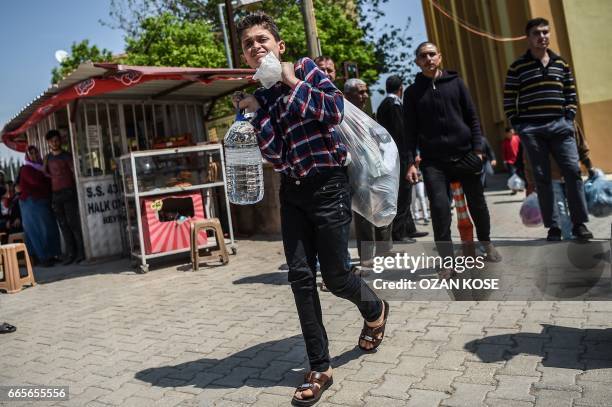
column 295, row 126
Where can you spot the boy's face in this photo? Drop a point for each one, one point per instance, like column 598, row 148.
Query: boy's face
column 509, row 134
column 257, row 42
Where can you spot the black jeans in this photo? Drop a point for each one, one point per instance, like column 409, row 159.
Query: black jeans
column 437, row 176
column 315, row 221
column 403, row 224
column 66, row 208
column 556, row 138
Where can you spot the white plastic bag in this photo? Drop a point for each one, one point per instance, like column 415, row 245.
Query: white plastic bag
column 374, row 167
column 269, row 72
column 516, row 183
column 598, row 192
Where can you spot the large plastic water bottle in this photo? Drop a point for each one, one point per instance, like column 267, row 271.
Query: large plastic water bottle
column 243, row 164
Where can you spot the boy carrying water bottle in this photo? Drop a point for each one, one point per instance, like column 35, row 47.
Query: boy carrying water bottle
column 295, row 121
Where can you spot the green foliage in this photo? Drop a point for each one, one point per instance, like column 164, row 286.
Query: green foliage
column 165, row 40
column 345, row 27
column 10, row 168
column 79, row 53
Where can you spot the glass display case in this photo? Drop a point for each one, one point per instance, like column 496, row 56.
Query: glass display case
column 164, row 191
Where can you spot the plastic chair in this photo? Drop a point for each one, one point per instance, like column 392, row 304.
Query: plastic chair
column 13, row 282
column 204, row 225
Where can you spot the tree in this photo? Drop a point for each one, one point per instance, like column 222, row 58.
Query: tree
column 165, row 40
column 346, row 28
column 79, row 53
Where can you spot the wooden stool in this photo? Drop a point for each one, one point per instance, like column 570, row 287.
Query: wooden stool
column 16, row 238
column 207, row 224
column 13, row 282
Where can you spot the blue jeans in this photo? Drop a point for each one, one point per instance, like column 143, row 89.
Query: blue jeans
column 562, row 209
column 557, row 138
column 315, row 222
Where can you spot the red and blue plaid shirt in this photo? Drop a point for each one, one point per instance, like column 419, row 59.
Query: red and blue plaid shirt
column 296, row 126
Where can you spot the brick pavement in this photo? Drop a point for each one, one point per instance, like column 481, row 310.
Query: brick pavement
column 229, row 336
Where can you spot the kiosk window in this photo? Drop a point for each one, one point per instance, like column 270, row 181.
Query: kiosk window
column 173, row 208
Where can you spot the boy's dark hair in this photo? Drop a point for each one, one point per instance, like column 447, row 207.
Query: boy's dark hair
column 421, row 45
column 53, row 133
column 535, row 22
column 509, row 129
column 258, row 18
column 393, row 83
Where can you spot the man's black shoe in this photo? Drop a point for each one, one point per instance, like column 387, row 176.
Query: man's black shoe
column 68, row 260
column 416, row 234
column 554, row 234
column 581, row 232
column 405, row 239
column 47, row 263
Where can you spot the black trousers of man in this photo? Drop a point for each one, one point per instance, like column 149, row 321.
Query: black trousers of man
column 66, row 208
column 371, row 239
column 437, row 176
column 403, row 224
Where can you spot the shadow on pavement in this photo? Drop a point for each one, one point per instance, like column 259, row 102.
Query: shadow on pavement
column 273, row 363
column 276, row 278
column 558, row 346
column 46, row 275
column 508, row 202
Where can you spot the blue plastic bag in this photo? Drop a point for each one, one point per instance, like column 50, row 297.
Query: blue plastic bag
column 598, row 191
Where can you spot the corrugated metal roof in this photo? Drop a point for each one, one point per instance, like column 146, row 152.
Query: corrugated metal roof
column 146, row 90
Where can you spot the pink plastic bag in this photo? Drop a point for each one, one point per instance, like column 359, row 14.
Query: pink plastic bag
column 530, row 211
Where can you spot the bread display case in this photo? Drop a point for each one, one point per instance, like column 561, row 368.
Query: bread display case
column 164, row 191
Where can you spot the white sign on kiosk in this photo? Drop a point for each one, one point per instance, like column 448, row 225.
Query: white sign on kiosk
column 102, row 209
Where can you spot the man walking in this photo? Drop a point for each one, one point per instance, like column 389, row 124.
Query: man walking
column 540, row 102
column 59, row 165
column 441, row 121
column 391, row 117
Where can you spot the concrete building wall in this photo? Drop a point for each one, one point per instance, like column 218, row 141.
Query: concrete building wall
column 589, row 34
column 579, row 33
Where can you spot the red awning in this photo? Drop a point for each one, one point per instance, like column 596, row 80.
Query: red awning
column 115, row 78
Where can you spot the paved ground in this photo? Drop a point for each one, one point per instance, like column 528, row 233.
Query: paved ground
column 229, row 336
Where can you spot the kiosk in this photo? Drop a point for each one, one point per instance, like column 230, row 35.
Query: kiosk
column 142, row 131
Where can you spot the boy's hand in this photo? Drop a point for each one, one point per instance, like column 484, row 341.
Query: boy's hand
column 288, row 74
column 246, row 102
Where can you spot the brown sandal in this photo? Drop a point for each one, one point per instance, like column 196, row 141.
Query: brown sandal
column 371, row 334
column 317, row 383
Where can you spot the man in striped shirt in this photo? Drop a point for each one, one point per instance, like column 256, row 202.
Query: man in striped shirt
column 540, row 102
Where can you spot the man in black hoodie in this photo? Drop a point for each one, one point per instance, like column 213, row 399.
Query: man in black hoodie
column 441, row 120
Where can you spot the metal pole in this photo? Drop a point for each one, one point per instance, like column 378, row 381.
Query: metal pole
column 310, row 27
column 228, row 53
column 233, row 35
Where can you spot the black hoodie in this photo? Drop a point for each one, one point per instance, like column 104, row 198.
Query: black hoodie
column 440, row 118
